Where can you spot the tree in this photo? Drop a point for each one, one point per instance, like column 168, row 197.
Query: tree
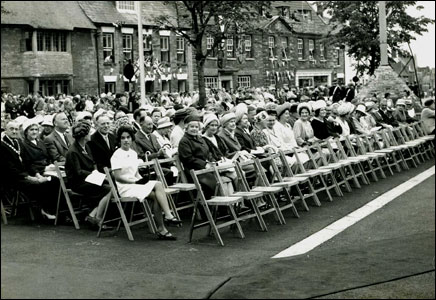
column 195, row 20
column 356, row 25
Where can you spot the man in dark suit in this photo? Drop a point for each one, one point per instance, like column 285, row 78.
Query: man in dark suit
column 15, row 175
column 350, row 93
column 102, row 143
column 58, row 142
column 336, row 93
column 149, row 145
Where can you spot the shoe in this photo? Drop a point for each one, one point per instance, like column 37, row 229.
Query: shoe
column 167, row 236
column 47, row 216
column 93, row 220
column 173, row 221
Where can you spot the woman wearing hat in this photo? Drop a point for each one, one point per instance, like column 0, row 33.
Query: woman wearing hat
column 342, row 118
column 194, row 153
column 323, row 128
column 79, row 164
column 303, row 130
column 215, row 143
column 399, row 113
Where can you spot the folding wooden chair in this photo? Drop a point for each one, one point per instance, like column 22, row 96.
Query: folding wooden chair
column 321, row 179
column 213, row 203
column 363, row 163
column 409, row 138
column 252, row 197
column 405, row 150
column 181, row 185
column 395, row 158
column 420, row 134
column 278, row 181
column 380, row 158
column 68, row 195
column 269, row 193
column 339, row 168
column 306, row 185
column 119, row 201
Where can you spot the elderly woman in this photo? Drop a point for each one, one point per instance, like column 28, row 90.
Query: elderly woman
column 303, row 130
column 36, row 161
column 79, row 164
column 194, row 153
column 324, row 127
column 342, row 118
column 125, row 165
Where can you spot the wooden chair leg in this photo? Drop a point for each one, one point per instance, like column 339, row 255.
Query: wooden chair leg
column 303, row 201
column 260, row 219
column 235, row 217
column 193, row 218
column 4, row 218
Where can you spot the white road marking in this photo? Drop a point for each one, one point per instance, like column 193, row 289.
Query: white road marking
column 340, row 225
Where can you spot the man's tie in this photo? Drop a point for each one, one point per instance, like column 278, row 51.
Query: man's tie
column 66, row 140
column 107, row 141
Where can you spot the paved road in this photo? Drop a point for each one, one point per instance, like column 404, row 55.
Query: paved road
column 390, row 246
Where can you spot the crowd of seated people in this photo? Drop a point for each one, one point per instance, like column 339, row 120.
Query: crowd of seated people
column 85, row 134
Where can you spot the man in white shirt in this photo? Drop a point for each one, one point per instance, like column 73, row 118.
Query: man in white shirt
column 179, row 130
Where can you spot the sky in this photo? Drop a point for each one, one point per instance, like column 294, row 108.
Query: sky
column 424, row 46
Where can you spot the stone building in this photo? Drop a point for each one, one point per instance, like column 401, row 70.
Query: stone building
column 47, row 47
column 288, row 49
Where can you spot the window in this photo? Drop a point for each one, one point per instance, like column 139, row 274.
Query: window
column 321, row 51
column 109, row 87
column 244, row 81
column 181, row 86
column 164, row 49
column 49, row 41
column 311, row 49
column 126, row 5
column 166, row 85
column 300, row 49
column 108, row 48
column 148, row 45
column 211, row 82
column 26, row 42
column 305, row 14
column 284, row 11
column 248, row 47
column 209, row 42
column 180, row 49
column 52, row 87
column 230, row 47
column 127, row 46
column 271, row 45
column 284, row 41
column 338, row 57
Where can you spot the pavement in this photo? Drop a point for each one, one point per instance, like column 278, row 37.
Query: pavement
column 389, row 254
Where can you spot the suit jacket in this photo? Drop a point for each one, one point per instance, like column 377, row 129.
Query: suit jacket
column 349, row 96
column 244, row 139
column 217, row 153
column 12, row 168
column 336, row 92
column 148, row 144
column 388, row 118
column 194, row 152
column 231, row 143
column 78, row 164
column 100, row 151
column 56, row 147
column 35, row 157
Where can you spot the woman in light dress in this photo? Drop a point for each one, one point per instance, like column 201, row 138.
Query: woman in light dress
column 125, row 165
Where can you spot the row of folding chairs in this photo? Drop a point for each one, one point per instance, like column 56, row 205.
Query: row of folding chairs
column 337, row 165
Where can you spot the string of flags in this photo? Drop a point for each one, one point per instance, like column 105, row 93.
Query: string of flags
column 281, row 75
column 155, row 68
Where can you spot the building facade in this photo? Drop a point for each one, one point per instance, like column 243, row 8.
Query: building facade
column 85, row 46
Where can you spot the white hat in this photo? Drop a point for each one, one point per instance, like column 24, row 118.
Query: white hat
column 401, row 102
column 99, row 112
column 361, row 108
column 103, row 95
column 48, row 120
column 370, row 105
column 208, row 118
column 170, row 113
column 28, row 123
column 164, row 123
column 343, row 109
column 303, row 105
column 82, row 114
column 319, row 104
column 21, row 119
column 227, row 117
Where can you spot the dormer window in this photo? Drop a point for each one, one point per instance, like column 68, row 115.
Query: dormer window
column 305, row 14
column 284, row 11
column 126, row 6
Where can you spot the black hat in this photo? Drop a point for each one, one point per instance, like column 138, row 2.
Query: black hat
column 192, row 118
column 181, row 114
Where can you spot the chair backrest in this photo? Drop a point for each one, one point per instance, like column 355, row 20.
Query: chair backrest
column 61, row 175
column 287, row 170
column 274, row 169
column 296, row 153
column 321, row 154
column 195, row 176
column 239, row 170
column 109, row 177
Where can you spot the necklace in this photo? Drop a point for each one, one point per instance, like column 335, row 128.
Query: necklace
column 17, row 151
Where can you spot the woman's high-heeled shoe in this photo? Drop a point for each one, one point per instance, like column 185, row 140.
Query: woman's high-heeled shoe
column 173, row 221
column 167, row 236
column 47, row 216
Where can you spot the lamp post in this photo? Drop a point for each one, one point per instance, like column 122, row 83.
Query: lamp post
column 141, row 52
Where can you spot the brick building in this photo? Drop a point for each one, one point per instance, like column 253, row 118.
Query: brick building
column 288, row 49
column 84, row 46
column 46, row 47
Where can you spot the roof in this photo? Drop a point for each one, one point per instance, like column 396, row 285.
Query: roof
column 105, row 12
column 64, row 15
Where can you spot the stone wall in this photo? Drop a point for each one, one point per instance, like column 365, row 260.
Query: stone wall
column 385, row 80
